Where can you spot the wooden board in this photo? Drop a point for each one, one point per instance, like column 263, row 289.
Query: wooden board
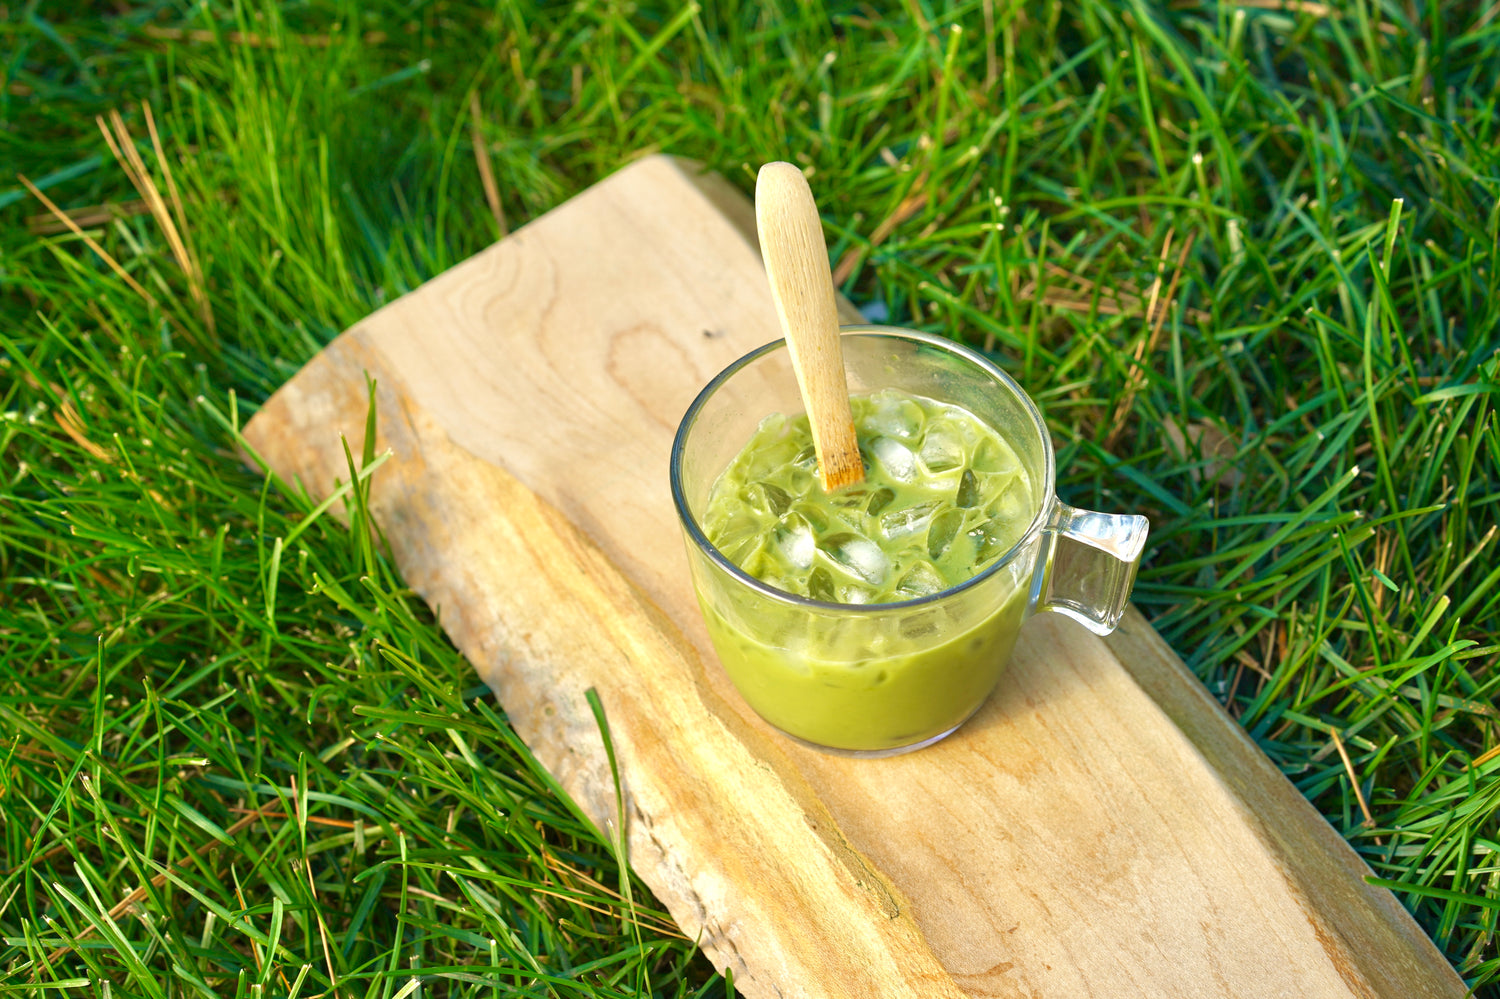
column 1101, row 827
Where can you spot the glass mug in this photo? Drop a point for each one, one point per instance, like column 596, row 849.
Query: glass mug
column 880, row 679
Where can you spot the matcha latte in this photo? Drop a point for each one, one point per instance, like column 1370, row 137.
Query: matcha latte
column 944, row 497
column 877, row 618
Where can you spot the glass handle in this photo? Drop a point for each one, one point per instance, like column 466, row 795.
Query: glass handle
column 1088, row 564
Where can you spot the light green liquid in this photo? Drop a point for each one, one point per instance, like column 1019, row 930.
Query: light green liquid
column 863, row 688
column 944, row 497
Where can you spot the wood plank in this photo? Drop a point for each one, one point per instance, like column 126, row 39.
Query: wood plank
column 1100, row 828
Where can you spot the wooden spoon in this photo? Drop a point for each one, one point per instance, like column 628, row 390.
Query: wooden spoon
column 791, row 241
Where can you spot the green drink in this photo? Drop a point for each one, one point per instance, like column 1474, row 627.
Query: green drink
column 867, row 690
column 876, row 619
column 944, row 496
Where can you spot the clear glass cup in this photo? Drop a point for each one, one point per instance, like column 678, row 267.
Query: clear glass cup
column 879, row 679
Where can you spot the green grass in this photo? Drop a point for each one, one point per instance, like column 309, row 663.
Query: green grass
column 212, row 690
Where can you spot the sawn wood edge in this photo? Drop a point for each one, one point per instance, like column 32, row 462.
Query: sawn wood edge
column 1374, row 942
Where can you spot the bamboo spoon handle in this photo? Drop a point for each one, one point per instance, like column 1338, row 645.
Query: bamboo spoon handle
column 791, row 241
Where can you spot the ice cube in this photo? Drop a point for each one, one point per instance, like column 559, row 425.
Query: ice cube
column 754, row 496
column 968, row 490
column 820, row 586
column 849, row 498
column 792, row 539
column 895, row 417
column 1014, row 503
column 860, row 556
column 944, row 528
column 989, row 456
column 816, row 516
column 776, row 498
column 776, row 582
column 773, row 449
column 736, row 526
column 879, row 500
column 896, row 458
column 991, row 540
column 941, row 451
column 738, row 538
column 855, row 593
column 908, row 520
column 921, row 580
column 923, row 625
column 799, row 480
column 761, row 565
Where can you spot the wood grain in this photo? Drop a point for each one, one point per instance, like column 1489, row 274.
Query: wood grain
column 1101, row 827
column 796, row 261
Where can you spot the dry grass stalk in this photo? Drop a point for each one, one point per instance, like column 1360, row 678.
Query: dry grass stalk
column 1059, row 299
column 1123, row 300
column 47, row 855
column 1231, row 704
column 1359, row 795
column 72, row 425
column 139, row 894
column 46, row 224
column 312, row 820
column 1385, row 547
column 88, row 240
column 1204, row 441
column 908, row 207
column 123, row 147
column 195, row 274
column 482, row 158
column 333, row 978
column 1144, row 348
column 561, row 867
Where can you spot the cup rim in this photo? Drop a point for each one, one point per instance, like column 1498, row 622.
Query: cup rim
column 700, row 539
